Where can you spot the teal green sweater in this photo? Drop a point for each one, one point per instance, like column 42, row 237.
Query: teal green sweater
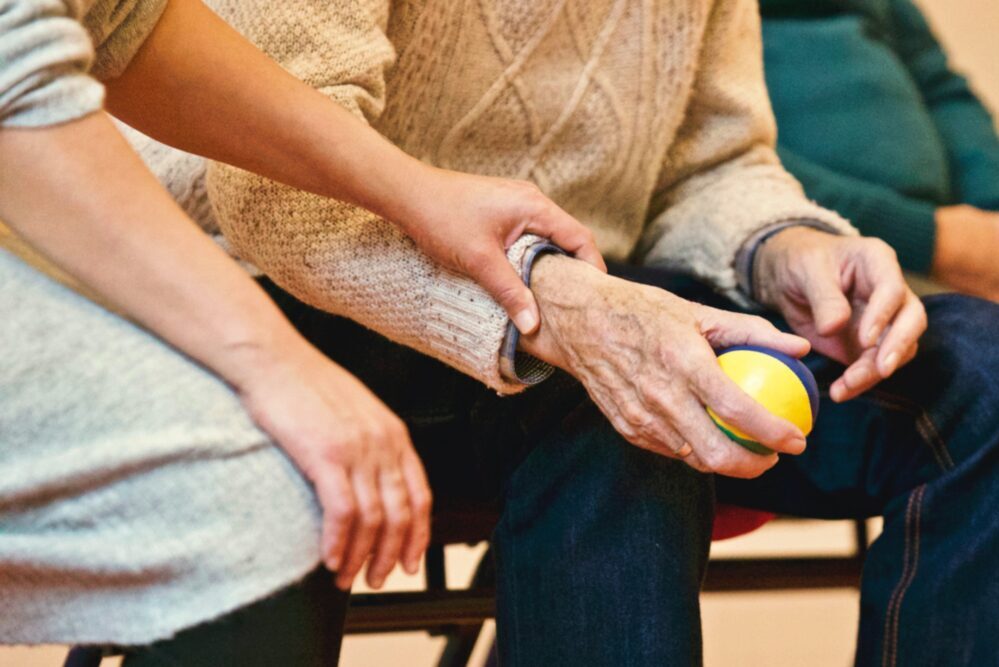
column 873, row 121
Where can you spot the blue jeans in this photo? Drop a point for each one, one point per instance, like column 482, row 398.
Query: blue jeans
column 601, row 546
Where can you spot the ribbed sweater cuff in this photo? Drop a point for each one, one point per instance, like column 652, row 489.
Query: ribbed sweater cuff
column 907, row 226
column 470, row 331
column 517, row 366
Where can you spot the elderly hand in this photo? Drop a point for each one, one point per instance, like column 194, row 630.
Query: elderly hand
column 356, row 452
column 467, row 222
column 966, row 245
column 645, row 357
column 847, row 296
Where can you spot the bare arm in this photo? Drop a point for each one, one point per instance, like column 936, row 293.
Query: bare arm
column 93, row 208
column 197, row 85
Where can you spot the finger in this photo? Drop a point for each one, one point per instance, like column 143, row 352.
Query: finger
column 904, row 332
column 367, row 525
column 339, row 506
column 497, row 276
column 568, row 234
column 656, row 435
column 859, row 376
column 420, row 504
column 738, row 409
column 718, row 453
column 829, row 306
column 886, row 300
column 388, row 548
column 723, row 329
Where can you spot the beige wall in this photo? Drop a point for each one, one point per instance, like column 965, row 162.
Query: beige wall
column 970, row 31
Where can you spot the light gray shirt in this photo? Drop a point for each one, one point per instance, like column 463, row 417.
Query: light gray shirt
column 54, row 52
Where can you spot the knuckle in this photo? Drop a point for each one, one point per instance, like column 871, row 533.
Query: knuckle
column 634, row 414
column 880, row 248
column 400, row 518
column 421, row 502
column 649, row 390
column 372, row 517
column 715, row 460
column 738, row 412
column 343, row 511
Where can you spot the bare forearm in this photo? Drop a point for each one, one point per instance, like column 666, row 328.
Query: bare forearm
column 198, row 85
column 94, row 210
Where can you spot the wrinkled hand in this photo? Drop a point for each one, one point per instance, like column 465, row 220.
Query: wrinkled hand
column 467, row 222
column 369, row 480
column 965, row 253
column 847, row 296
column 645, row 357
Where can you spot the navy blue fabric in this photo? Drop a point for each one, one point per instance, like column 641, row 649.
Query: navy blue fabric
column 602, row 546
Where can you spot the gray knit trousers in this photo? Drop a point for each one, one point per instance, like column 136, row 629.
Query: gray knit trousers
column 136, row 496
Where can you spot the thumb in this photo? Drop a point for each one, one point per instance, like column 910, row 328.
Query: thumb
column 730, row 329
column 498, row 277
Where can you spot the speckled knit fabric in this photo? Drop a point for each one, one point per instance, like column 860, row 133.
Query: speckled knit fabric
column 52, row 52
column 136, row 496
column 648, row 121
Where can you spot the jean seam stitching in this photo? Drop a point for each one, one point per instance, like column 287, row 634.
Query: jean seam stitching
column 924, row 425
column 913, row 513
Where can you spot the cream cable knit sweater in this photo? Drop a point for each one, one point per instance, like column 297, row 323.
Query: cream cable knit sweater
column 648, row 120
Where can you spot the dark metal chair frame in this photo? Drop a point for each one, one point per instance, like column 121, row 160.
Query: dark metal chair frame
column 459, row 614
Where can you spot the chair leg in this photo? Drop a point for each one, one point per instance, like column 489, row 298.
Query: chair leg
column 84, row 656
column 461, row 642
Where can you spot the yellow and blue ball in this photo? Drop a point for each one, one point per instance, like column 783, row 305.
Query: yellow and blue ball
column 780, row 383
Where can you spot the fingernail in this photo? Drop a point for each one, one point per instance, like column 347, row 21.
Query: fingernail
column 526, row 321
column 684, row 451
column 333, row 564
column 377, row 582
column 797, row 444
column 890, row 362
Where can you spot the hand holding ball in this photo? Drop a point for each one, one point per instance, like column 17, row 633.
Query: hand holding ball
column 780, row 383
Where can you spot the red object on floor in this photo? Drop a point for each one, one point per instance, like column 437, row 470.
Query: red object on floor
column 732, row 521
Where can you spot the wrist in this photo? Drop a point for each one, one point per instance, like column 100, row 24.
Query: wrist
column 563, row 288
column 253, row 352
column 773, row 253
column 405, row 191
column 953, row 226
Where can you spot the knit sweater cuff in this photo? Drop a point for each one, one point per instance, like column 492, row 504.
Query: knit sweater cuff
column 44, row 57
column 476, row 329
column 745, row 260
column 119, row 29
column 907, row 226
column 515, row 365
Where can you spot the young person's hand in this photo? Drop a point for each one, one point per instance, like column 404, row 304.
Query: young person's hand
column 124, row 238
column 467, row 222
column 645, row 356
column 966, row 247
column 355, row 451
column 196, row 84
column 847, row 296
